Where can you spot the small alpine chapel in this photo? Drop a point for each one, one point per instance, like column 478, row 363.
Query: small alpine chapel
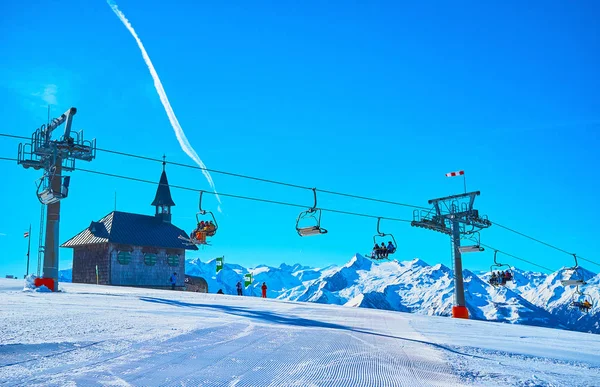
column 128, row 249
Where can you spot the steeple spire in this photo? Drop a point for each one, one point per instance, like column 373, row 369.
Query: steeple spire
column 162, row 200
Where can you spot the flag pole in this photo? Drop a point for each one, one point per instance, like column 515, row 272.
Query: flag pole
column 28, row 249
column 465, row 181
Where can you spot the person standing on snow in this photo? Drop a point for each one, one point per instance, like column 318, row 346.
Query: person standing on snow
column 239, row 288
column 173, row 280
column 264, row 290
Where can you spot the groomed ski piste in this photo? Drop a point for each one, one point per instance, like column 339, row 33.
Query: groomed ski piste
column 119, row 336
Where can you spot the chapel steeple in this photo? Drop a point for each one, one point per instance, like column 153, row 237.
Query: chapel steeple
column 162, row 200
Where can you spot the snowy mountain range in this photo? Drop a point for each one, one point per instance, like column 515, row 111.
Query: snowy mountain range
column 416, row 287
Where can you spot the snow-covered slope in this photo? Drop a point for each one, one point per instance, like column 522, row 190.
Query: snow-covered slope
column 119, row 336
column 412, row 286
column 416, row 287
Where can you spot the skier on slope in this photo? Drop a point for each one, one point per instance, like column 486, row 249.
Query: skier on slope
column 239, row 288
column 264, row 290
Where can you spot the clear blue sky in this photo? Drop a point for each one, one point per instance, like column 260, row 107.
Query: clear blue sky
column 372, row 98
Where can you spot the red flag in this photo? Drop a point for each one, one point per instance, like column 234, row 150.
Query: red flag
column 26, row 234
column 457, row 173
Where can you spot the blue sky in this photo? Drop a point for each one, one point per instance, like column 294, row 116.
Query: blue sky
column 373, row 98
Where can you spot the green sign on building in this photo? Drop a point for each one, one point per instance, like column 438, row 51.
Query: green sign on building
column 220, row 262
column 247, row 279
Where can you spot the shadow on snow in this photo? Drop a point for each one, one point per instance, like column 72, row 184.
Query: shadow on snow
column 296, row 321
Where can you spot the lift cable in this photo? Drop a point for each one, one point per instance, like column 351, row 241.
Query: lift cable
column 520, row 259
column 243, row 197
column 545, row 243
column 309, row 188
column 282, row 203
column 262, row 179
column 244, row 176
column 13, row 136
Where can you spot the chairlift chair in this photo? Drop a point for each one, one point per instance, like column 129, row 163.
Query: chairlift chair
column 313, row 216
column 578, row 300
column 203, row 234
column 476, row 248
column 576, row 277
column 499, row 266
column 471, row 249
column 47, row 195
column 382, row 235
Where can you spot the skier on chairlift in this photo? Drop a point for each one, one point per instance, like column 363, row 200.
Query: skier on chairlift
column 493, row 279
column 384, row 252
column 199, row 235
column 210, row 228
column 391, row 248
column 376, row 251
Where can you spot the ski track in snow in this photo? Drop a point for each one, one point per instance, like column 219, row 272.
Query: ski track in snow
column 101, row 335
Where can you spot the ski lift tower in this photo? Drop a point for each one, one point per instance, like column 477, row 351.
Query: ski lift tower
column 54, row 157
column 454, row 216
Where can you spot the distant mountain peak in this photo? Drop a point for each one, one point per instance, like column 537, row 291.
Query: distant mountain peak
column 359, row 262
column 416, row 262
column 414, row 286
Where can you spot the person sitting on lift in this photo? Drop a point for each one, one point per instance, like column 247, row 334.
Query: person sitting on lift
column 391, row 248
column 493, row 279
column 384, row 252
column 586, row 304
column 199, row 234
column 376, row 251
column 210, row 228
column 500, row 278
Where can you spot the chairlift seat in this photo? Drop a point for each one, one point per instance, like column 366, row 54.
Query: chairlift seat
column 581, row 306
column 375, row 257
column 193, row 241
column 48, row 196
column 471, row 249
column 312, row 230
column 572, row 282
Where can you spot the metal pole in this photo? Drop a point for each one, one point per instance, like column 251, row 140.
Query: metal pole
column 465, row 181
column 52, row 222
column 28, row 249
column 459, row 310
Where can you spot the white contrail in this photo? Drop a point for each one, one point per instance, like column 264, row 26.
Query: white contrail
column 181, row 137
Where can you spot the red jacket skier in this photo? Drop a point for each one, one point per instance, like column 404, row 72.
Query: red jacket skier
column 264, row 290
